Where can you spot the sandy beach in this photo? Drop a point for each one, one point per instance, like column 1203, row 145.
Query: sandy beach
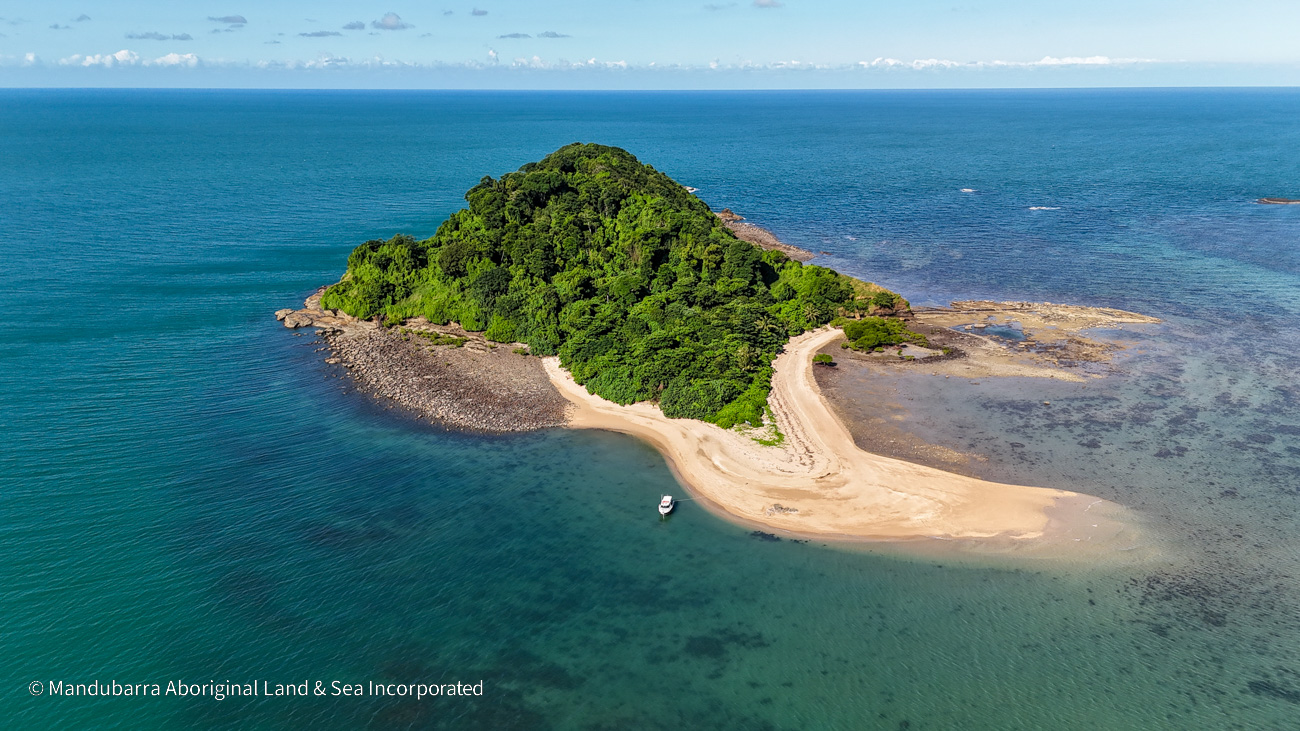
column 819, row 483
column 816, row 482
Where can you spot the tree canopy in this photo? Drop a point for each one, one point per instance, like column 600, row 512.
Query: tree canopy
column 610, row 264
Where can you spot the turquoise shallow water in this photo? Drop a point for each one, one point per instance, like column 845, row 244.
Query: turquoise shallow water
column 190, row 493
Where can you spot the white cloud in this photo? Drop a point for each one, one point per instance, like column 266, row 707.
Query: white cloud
column 1089, row 61
column 537, row 62
column 124, row 57
column 766, row 4
column 918, row 64
column 922, row 64
column 327, row 61
column 187, row 60
column 107, row 60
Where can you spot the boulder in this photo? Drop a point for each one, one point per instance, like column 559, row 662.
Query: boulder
column 298, row 319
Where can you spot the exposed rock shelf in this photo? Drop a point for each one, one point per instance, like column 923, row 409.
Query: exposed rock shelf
column 471, row 385
column 760, row 237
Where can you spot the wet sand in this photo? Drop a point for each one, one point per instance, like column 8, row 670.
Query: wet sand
column 820, row 483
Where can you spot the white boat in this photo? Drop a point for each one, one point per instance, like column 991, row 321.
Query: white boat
column 666, row 505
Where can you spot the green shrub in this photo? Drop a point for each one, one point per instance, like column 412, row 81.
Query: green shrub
column 873, row 333
column 884, row 300
column 747, row 408
column 436, row 338
column 500, row 330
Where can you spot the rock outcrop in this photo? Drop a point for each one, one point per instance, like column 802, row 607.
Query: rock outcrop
column 312, row 315
column 441, row 373
column 760, row 237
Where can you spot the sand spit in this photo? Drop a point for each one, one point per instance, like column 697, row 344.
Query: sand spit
column 459, row 380
column 818, row 482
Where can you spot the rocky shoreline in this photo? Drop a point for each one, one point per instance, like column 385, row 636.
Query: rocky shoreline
column 1056, row 344
column 760, row 237
column 980, row 338
column 440, row 373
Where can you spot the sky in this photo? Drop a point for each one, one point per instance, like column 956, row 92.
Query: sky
column 662, row 44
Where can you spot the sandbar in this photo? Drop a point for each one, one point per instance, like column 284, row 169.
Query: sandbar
column 818, row 482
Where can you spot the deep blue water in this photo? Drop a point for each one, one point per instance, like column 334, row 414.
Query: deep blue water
column 189, row 493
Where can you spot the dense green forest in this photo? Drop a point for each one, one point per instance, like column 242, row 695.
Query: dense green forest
column 635, row 284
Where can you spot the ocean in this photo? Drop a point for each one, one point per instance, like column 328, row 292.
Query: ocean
column 189, row 494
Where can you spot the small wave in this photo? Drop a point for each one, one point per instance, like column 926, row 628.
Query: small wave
column 1044, row 208
column 851, row 238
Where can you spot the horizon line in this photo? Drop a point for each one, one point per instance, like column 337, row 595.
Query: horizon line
column 1166, row 87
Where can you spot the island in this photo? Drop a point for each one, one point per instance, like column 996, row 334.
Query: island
column 589, row 290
